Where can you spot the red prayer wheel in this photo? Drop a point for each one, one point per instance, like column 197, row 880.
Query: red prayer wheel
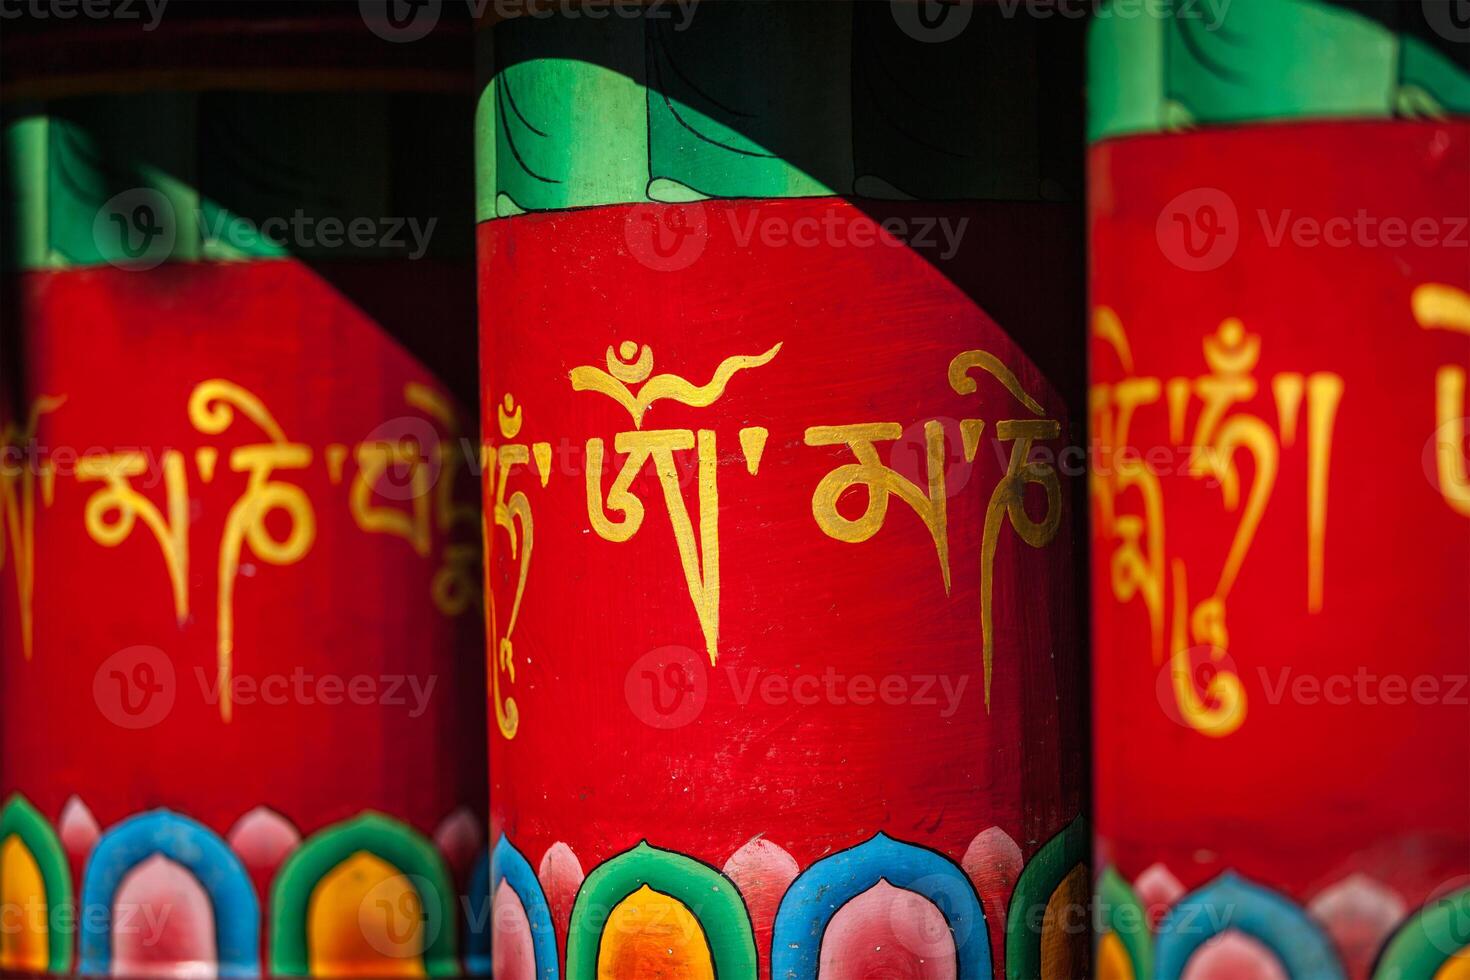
column 240, row 599
column 1280, row 323
column 779, row 357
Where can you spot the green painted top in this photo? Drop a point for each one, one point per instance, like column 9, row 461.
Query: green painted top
column 1167, row 66
column 140, row 178
column 754, row 100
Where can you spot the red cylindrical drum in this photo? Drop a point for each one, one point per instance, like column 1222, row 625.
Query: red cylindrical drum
column 1280, row 324
column 240, row 650
column 777, row 313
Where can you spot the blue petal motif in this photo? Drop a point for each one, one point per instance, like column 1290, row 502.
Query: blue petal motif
column 1232, row 902
column 203, row 853
column 509, row 865
column 816, row 895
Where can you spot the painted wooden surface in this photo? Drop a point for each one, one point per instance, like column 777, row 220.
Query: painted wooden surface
column 243, row 704
column 785, row 652
column 1281, row 528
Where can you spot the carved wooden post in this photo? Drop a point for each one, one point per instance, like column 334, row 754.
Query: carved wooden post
column 780, row 336
column 1281, row 515
column 239, row 655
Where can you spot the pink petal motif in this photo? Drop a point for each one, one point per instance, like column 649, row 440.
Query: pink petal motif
column 560, row 875
column 1359, row 914
column 263, row 838
column 762, row 870
column 887, row 932
column 513, row 951
column 459, row 837
column 162, row 923
column 1157, row 890
column 1233, row 955
column 993, row 862
column 79, row 830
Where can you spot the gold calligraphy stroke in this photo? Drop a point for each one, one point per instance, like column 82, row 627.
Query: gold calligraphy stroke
column 632, row 365
column 699, row 554
column 881, row 482
column 1440, row 307
column 436, row 461
column 1007, row 500
column 125, row 506
column 212, row 408
column 18, row 502
column 1226, row 429
column 512, row 515
column 1137, row 565
column 963, row 384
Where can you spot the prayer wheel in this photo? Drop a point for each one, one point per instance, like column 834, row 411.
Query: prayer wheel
column 781, row 344
column 241, row 727
column 1280, row 333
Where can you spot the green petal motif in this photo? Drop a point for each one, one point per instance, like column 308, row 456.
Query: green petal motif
column 1041, row 877
column 711, row 897
column 1428, row 940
